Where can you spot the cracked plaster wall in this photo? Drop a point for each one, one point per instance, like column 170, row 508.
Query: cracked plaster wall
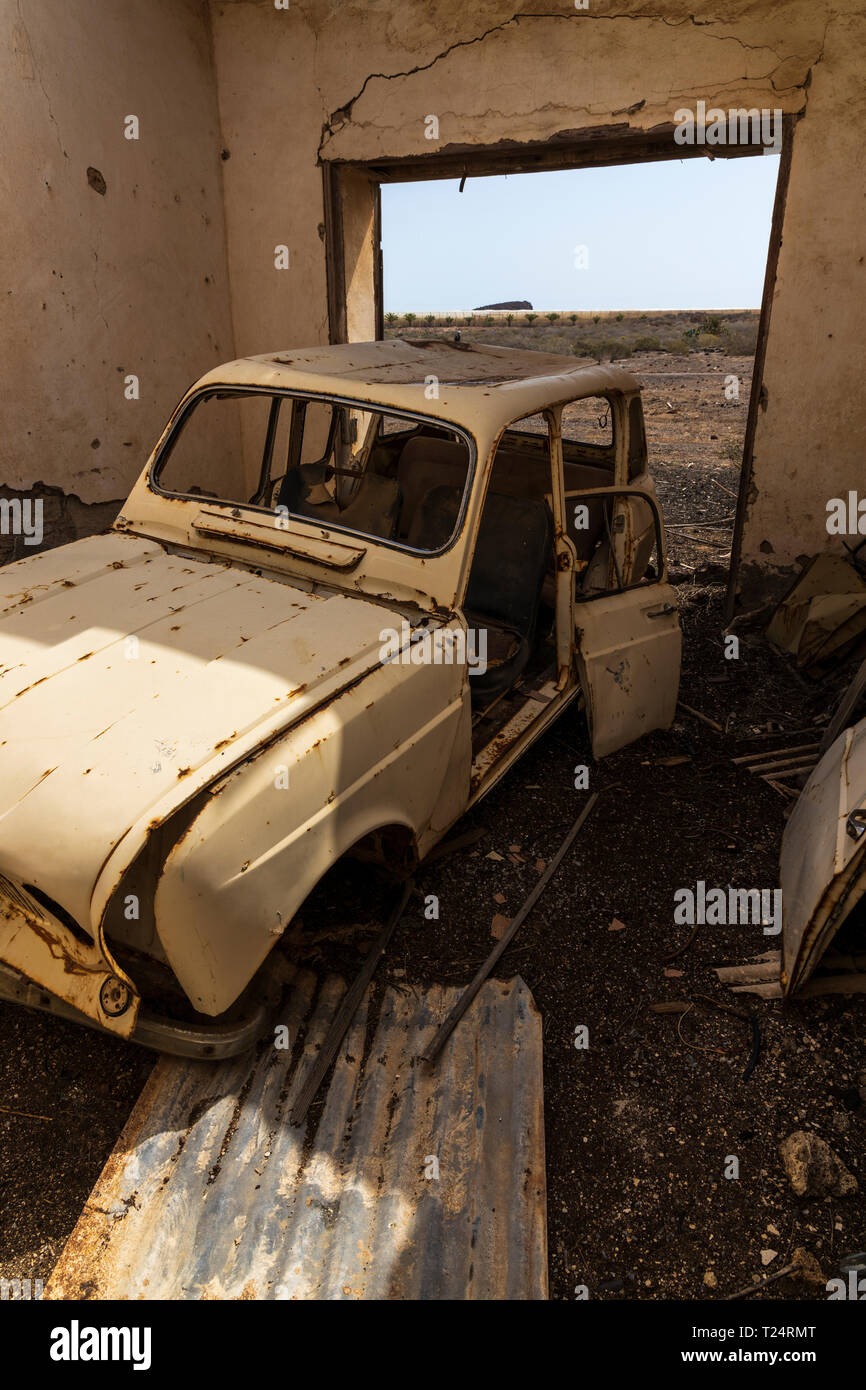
column 99, row 285
column 354, row 82
column 136, row 279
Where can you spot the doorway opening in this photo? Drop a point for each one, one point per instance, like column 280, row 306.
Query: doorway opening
column 620, row 247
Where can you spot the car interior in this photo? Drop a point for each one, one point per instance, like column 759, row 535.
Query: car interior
column 408, row 485
column 405, row 482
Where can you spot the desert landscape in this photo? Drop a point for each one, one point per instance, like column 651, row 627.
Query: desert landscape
column 695, row 369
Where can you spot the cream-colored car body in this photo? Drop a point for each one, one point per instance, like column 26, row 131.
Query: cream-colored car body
column 823, row 867
column 196, row 716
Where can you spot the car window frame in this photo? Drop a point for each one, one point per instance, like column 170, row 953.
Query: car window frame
column 328, row 398
column 661, row 549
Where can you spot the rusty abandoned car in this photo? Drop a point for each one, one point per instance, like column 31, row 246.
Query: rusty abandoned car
column 351, row 586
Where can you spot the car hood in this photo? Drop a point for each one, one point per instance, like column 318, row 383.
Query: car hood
column 130, row 677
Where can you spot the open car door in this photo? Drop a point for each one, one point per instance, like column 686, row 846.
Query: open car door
column 823, row 868
column 628, row 660
column 628, row 639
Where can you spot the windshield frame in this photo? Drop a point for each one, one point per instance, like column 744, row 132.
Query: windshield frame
column 190, row 403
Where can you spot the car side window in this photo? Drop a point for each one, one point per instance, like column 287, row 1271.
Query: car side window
column 618, row 538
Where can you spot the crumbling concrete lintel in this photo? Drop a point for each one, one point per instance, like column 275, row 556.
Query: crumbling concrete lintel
column 795, row 80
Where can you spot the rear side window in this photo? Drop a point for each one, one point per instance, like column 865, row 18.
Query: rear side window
column 368, row 472
column 636, row 439
column 588, row 422
column 587, row 427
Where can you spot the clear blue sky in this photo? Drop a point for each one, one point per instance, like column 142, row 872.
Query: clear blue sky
column 688, row 234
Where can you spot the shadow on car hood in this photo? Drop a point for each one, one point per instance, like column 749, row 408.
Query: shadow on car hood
column 129, row 677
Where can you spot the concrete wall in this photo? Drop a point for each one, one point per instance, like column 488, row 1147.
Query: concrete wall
column 355, row 82
column 810, row 443
column 116, row 273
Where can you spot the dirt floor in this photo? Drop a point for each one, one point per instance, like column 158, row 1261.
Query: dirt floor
column 641, row 1124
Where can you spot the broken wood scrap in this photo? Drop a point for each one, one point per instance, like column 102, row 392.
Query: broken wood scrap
column 779, row 757
column 836, row 974
column 765, row 967
column 704, row 718
column 788, row 793
column 463, row 1003
column 724, row 489
column 813, row 729
column 813, row 988
column 775, row 766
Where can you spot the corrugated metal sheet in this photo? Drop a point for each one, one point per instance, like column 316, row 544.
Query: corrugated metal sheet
column 210, row 1192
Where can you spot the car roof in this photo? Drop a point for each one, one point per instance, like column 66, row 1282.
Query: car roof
column 476, row 384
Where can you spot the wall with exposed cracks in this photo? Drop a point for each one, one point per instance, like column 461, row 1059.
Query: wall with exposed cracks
column 354, row 82
column 112, row 251
column 159, row 262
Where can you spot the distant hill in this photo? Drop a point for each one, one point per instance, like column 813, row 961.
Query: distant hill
column 506, row 304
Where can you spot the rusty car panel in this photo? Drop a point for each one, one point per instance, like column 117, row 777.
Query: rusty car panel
column 629, row 647
column 823, row 869
column 210, row 705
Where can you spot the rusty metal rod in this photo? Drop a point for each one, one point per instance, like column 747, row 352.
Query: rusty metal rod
column 346, row 1012
column 471, row 990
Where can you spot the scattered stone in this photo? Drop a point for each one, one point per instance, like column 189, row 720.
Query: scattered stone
column 808, row 1267
column 768, row 1256
column 813, row 1169
column 499, row 926
column 710, row 1280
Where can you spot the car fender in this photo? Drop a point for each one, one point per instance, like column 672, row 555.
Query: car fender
column 394, row 750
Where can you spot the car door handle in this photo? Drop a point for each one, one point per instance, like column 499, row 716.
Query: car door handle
column 663, row 612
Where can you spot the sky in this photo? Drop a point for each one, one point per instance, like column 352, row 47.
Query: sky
column 679, row 234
